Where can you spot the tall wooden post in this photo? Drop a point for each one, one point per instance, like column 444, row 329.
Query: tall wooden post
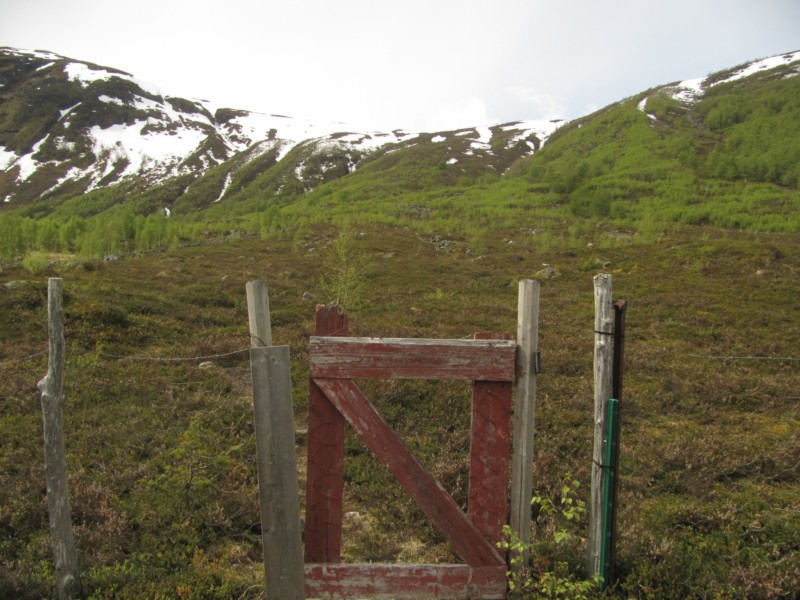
column 603, row 381
column 276, row 458
column 52, row 389
column 524, row 409
column 325, row 472
column 258, row 314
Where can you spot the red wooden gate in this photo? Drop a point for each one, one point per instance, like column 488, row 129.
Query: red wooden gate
column 489, row 362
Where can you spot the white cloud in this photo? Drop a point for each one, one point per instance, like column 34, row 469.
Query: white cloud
column 416, row 64
column 536, row 104
column 448, row 115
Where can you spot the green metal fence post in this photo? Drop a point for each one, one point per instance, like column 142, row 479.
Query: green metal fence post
column 609, row 477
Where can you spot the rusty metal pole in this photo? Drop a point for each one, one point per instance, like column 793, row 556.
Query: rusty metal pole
column 620, row 307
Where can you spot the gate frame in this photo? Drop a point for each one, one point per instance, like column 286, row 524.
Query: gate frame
column 490, row 362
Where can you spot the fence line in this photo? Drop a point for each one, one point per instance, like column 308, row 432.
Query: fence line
column 174, row 359
column 600, row 329
column 721, row 357
column 15, row 361
column 544, row 370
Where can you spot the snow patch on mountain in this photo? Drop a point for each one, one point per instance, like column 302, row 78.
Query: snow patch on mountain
column 27, row 164
column 110, row 100
column 764, row 64
column 691, row 90
column 225, row 186
column 86, row 75
column 65, row 113
column 156, row 151
column 7, row 158
column 484, row 135
column 541, row 129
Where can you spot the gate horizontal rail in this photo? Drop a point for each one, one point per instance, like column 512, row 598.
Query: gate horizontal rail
column 384, row 581
column 404, row 358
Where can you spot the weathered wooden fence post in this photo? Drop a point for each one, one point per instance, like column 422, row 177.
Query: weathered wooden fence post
column 524, row 409
column 603, row 381
column 276, row 457
column 52, row 389
column 258, row 314
column 325, row 470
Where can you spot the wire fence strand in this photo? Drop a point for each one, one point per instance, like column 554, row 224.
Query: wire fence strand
column 174, row 359
column 729, row 357
column 15, row 361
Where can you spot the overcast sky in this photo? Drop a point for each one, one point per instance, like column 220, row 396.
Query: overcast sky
column 417, row 64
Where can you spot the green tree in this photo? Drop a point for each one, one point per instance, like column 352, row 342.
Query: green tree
column 70, row 233
column 48, row 236
column 152, row 234
column 344, row 281
column 12, row 242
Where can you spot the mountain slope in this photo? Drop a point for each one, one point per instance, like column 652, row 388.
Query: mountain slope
column 723, row 149
column 68, row 127
column 92, row 159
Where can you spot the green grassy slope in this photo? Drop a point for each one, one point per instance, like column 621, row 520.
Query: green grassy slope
column 729, row 160
column 161, row 451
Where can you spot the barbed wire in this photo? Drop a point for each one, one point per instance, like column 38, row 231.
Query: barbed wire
column 22, row 359
column 134, row 357
column 727, row 357
column 717, row 357
column 174, row 359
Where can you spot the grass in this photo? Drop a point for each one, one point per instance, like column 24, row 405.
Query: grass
column 161, row 451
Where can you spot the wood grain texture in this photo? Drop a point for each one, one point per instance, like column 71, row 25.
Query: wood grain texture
column 603, row 388
column 376, row 581
column 276, row 464
column 392, row 358
column 490, row 454
column 258, row 313
column 325, row 472
column 68, row 584
column 524, row 410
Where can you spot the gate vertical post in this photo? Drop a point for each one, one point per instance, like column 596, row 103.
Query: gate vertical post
column 276, row 458
column 490, row 453
column 524, row 409
column 325, row 471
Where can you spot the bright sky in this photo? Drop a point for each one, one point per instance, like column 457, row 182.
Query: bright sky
column 422, row 65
